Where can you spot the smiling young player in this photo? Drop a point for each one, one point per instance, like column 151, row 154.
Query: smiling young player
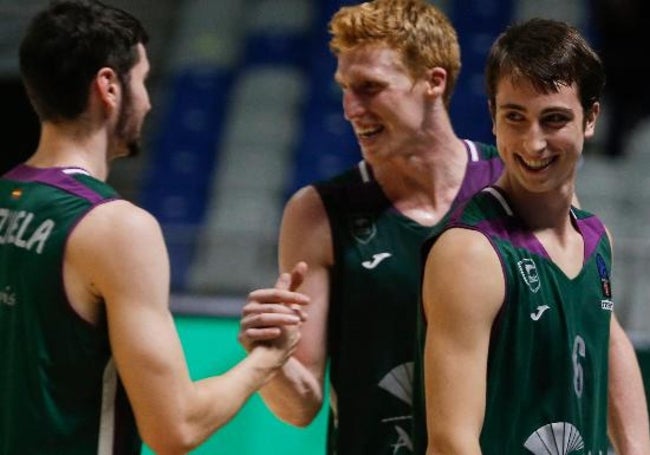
column 517, row 299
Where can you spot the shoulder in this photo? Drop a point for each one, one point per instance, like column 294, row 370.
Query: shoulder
column 120, row 216
column 339, row 194
column 469, row 231
column 457, row 244
column 305, row 204
column 118, row 227
column 116, row 249
column 305, row 232
column 463, row 270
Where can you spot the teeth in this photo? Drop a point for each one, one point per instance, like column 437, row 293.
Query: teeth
column 368, row 131
column 536, row 163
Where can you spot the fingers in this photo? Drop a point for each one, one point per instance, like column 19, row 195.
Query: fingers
column 284, row 289
column 275, row 295
column 268, row 315
column 262, row 334
column 298, row 311
column 270, row 308
column 274, row 314
column 263, row 322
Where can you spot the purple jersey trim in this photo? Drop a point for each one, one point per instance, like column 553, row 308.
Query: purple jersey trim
column 508, row 229
column 479, row 172
column 592, row 231
column 475, row 179
column 54, row 177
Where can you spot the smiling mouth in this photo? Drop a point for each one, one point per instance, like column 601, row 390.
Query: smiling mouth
column 367, row 133
column 535, row 164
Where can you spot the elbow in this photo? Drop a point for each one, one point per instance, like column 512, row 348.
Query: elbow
column 297, row 409
column 300, row 420
column 440, row 443
column 173, row 439
column 296, row 414
column 298, row 417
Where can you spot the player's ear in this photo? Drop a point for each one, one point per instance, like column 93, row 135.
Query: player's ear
column 492, row 111
column 591, row 116
column 437, row 81
column 108, row 88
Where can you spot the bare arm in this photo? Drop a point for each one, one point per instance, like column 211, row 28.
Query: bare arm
column 119, row 252
column 295, row 394
column 628, row 413
column 459, row 319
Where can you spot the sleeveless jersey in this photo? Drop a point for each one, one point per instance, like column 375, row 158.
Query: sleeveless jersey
column 59, row 390
column 548, row 355
column 374, row 288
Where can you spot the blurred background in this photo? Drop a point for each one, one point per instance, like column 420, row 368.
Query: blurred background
column 246, row 112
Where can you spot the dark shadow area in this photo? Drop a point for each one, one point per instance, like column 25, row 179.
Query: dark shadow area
column 20, row 135
column 621, row 33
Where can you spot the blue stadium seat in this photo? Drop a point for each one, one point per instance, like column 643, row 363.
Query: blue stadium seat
column 185, row 150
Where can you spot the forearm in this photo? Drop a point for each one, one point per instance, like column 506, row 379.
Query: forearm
column 232, row 389
column 206, row 405
column 628, row 414
column 294, row 394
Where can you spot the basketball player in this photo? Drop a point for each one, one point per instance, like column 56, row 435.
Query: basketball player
column 360, row 232
column 84, row 275
column 517, row 296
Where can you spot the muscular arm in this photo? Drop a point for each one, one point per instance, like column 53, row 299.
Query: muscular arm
column 295, row 394
column 461, row 298
column 118, row 250
column 628, row 413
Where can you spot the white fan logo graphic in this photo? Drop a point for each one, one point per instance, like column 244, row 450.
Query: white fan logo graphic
column 399, row 383
column 559, row 438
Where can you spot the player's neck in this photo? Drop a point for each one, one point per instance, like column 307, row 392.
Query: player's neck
column 423, row 185
column 63, row 146
column 542, row 211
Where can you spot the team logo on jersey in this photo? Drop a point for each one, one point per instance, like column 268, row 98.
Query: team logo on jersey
column 528, row 271
column 561, row 438
column 541, row 309
column 376, row 260
column 363, row 228
column 606, row 303
column 603, row 273
column 399, row 383
column 16, row 193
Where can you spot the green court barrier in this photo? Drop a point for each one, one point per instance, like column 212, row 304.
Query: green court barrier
column 211, row 347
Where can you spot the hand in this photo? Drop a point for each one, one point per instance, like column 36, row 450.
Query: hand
column 272, row 315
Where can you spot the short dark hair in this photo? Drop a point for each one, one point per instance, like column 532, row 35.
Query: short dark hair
column 64, row 47
column 547, row 53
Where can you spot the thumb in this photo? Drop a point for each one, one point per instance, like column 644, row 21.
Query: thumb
column 284, row 281
column 298, row 275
